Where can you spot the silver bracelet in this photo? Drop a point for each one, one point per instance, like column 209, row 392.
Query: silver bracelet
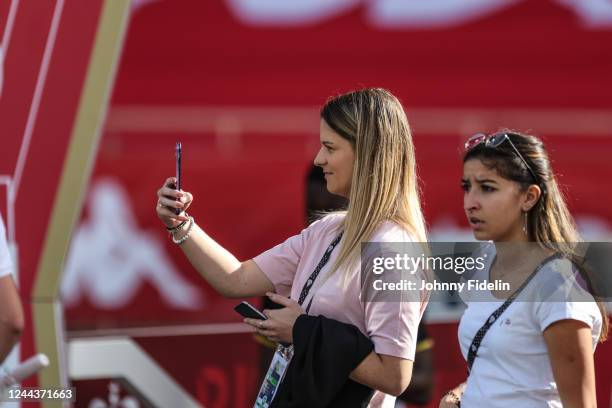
column 184, row 237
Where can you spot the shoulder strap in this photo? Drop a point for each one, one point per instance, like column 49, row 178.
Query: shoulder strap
column 313, row 276
column 473, row 350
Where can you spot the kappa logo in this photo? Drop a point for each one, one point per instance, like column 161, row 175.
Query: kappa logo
column 114, row 399
column 110, row 257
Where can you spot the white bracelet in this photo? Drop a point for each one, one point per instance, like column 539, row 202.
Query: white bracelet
column 184, row 237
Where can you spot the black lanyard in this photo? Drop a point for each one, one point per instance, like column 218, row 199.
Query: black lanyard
column 308, row 285
column 495, row 315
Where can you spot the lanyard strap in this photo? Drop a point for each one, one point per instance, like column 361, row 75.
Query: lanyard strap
column 473, row 350
column 308, row 285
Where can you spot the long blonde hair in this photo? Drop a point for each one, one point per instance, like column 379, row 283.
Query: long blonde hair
column 384, row 185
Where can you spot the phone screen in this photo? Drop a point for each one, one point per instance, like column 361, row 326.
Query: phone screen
column 178, row 154
column 250, row 311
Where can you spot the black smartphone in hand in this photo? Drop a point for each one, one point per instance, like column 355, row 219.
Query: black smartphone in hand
column 178, row 157
column 248, row 310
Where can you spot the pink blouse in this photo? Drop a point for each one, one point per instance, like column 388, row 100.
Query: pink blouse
column 392, row 326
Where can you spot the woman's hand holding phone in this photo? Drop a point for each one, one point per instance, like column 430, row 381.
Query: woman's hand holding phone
column 278, row 327
column 169, row 199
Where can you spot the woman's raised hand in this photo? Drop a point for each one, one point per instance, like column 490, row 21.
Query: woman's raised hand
column 168, row 199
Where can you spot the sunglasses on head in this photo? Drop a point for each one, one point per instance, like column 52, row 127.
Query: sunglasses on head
column 496, row 140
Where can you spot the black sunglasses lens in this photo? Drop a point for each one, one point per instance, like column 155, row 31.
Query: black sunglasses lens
column 496, row 140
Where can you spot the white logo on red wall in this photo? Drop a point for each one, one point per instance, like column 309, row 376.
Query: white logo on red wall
column 111, row 257
column 114, row 399
column 400, row 13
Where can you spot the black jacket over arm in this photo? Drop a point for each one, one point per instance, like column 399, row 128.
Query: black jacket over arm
column 325, row 353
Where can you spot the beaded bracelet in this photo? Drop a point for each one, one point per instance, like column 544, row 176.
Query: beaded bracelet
column 184, row 237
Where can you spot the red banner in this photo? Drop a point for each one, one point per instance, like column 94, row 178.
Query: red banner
column 239, row 83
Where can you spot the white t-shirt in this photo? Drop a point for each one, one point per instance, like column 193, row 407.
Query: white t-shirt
column 512, row 368
column 6, row 265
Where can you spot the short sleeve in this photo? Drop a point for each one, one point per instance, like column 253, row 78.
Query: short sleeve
column 562, row 297
column 393, row 327
column 6, row 266
column 548, row 313
column 280, row 263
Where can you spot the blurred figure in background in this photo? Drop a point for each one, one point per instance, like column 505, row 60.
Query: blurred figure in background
column 11, row 311
column 318, row 200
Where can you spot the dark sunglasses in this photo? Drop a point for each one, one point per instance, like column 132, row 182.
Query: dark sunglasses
column 494, row 141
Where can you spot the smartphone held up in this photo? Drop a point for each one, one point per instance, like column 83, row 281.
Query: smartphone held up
column 178, row 157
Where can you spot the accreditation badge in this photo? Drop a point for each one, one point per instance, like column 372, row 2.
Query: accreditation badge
column 274, row 376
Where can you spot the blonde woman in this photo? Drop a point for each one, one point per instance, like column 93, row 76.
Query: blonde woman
column 367, row 156
column 524, row 353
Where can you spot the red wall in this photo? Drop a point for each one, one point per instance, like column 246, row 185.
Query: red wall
column 533, row 65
